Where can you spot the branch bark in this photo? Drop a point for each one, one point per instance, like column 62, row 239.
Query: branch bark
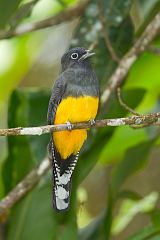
column 35, row 175
column 24, row 186
column 134, row 120
column 123, row 104
column 64, row 16
column 153, row 49
column 127, row 61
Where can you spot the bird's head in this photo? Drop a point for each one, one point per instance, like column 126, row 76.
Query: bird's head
column 76, row 56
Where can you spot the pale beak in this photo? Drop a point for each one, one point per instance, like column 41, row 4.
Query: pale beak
column 86, row 55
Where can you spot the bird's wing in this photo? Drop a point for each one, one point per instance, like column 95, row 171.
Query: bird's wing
column 56, row 97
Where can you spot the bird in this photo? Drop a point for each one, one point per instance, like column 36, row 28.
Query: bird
column 74, row 98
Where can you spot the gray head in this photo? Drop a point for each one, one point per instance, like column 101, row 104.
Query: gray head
column 76, row 57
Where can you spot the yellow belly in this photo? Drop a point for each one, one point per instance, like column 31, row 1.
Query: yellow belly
column 73, row 110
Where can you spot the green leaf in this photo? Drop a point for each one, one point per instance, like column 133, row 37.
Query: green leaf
column 8, row 8
column 108, row 219
column 23, row 12
column 31, row 215
column 93, row 230
column 100, row 227
column 155, row 216
column 145, row 74
column 13, row 68
column 130, row 208
column 134, row 160
column 132, row 137
column 132, row 97
column 147, row 233
column 34, row 218
column 24, row 152
column 66, row 2
column 149, row 79
column 129, row 195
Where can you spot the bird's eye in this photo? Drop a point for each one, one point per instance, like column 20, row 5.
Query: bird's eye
column 74, row 56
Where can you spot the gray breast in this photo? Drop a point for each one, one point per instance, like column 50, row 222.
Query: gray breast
column 80, row 82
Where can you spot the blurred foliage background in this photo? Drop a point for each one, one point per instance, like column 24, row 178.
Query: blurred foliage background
column 116, row 183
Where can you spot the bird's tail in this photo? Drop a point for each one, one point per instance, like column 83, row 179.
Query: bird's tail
column 62, row 174
column 61, row 191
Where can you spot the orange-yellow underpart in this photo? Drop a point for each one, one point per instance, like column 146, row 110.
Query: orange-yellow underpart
column 73, row 110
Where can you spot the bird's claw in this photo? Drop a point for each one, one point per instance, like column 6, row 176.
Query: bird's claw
column 92, row 122
column 69, row 126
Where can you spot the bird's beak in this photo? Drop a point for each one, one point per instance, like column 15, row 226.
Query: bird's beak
column 87, row 55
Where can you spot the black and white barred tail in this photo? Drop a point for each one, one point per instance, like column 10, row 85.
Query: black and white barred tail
column 62, row 178
column 61, row 191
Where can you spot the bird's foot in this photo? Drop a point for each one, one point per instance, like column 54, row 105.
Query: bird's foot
column 69, row 125
column 92, row 122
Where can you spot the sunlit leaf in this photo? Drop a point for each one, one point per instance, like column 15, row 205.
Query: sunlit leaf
column 130, row 208
column 145, row 74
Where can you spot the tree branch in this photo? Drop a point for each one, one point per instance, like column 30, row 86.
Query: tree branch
column 123, row 104
column 134, row 120
column 34, row 176
column 154, row 49
column 64, row 16
column 127, row 61
column 24, row 186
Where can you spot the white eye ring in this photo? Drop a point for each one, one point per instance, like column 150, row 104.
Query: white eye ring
column 74, row 55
